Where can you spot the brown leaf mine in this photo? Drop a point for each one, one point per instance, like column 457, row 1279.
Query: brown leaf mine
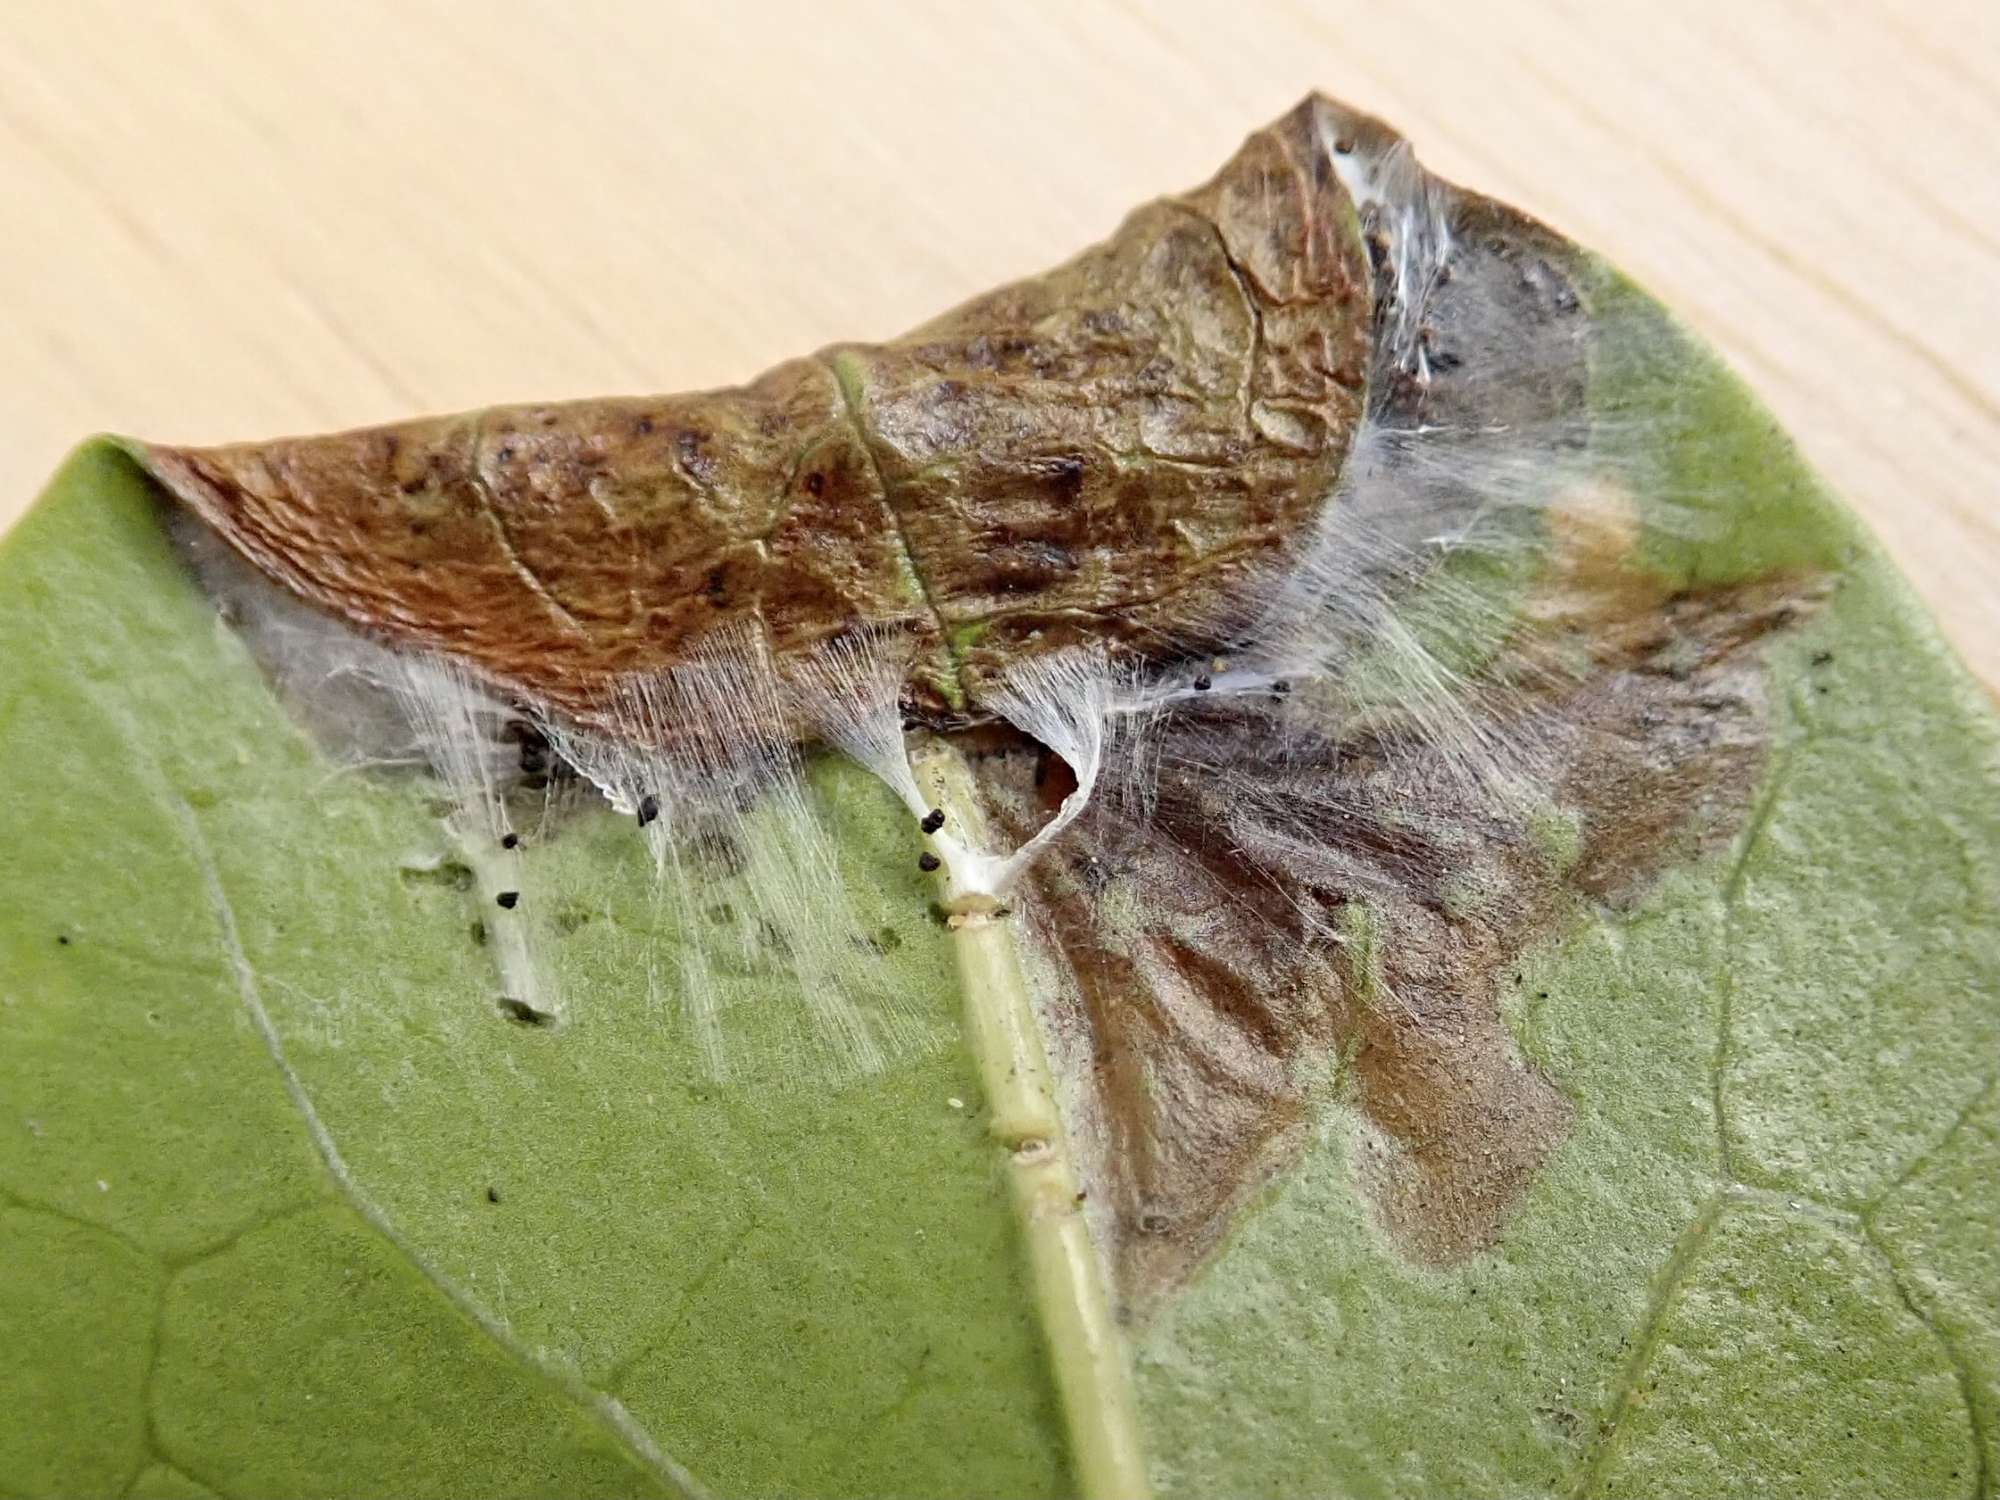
column 1283, row 531
column 1261, row 900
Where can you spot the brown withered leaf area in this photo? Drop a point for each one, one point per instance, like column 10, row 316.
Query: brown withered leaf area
column 1289, row 899
column 1128, row 451
column 1103, row 449
column 1275, row 890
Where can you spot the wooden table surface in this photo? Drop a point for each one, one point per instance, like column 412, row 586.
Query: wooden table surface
column 229, row 219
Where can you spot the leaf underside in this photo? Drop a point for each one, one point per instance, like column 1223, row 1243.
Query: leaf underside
column 1639, row 1135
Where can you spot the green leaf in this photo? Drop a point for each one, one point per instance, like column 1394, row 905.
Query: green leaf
column 257, row 1092
column 292, row 1204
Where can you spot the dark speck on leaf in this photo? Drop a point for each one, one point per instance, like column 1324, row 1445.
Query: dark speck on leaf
column 933, row 820
column 815, row 484
column 1281, row 687
column 510, row 840
column 493, row 1195
column 505, row 455
column 63, row 938
column 649, row 809
column 927, row 862
column 1066, row 474
column 523, row 1013
column 1203, row 683
column 508, row 899
column 1821, row 658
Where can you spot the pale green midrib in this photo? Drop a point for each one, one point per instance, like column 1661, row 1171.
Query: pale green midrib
column 608, row 1413
column 1087, row 1349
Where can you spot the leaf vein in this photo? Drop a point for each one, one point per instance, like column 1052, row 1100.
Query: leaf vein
column 608, row 1412
column 1931, row 1152
column 1961, row 1368
column 1725, row 1008
column 1646, row 1342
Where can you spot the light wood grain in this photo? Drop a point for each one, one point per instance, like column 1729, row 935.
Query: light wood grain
column 227, row 219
